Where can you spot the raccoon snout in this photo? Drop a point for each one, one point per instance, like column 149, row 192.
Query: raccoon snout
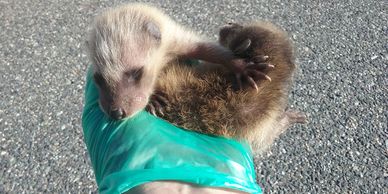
column 117, row 113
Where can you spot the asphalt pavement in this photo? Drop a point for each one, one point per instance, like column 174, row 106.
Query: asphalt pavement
column 341, row 84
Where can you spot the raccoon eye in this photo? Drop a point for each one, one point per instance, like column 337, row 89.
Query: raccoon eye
column 134, row 74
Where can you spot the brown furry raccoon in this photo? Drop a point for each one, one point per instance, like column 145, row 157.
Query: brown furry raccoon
column 203, row 98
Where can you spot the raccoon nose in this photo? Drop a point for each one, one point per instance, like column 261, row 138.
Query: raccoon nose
column 117, row 113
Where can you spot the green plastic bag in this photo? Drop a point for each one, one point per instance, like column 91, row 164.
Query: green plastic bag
column 144, row 148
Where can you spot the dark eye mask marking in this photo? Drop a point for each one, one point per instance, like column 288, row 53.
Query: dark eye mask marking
column 135, row 74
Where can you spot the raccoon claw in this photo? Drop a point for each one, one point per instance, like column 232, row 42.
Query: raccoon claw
column 259, row 66
column 258, row 75
column 251, row 70
column 260, row 59
column 253, row 83
column 160, row 97
column 259, row 62
column 150, row 108
column 255, row 68
column 251, row 76
column 156, row 104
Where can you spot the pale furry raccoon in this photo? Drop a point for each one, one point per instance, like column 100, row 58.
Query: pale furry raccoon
column 130, row 44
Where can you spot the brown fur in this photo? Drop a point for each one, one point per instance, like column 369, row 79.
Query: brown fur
column 203, row 99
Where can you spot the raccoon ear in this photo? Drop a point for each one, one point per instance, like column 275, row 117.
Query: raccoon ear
column 243, row 46
column 153, row 30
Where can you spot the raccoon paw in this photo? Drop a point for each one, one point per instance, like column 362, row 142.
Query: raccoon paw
column 157, row 102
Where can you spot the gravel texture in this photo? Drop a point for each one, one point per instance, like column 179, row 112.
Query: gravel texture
column 342, row 53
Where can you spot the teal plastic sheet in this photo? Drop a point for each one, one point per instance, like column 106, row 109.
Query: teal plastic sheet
column 144, row 148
